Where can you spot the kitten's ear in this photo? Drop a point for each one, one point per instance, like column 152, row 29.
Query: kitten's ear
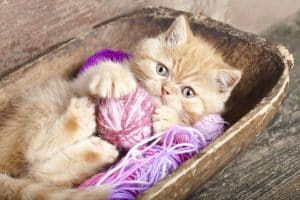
column 178, row 32
column 226, row 79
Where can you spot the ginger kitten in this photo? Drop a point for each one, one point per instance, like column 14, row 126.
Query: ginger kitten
column 47, row 144
column 184, row 74
column 46, row 134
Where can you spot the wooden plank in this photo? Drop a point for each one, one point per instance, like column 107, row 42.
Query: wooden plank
column 290, row 189
column 30, row 27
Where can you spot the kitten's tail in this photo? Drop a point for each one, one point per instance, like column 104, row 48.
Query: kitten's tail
column 24, row 189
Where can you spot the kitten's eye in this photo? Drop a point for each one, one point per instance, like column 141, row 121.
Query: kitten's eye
column 162, row 70
column 188, row 92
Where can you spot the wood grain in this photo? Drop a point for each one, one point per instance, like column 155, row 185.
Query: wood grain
column 31, row 28
column 270, row 168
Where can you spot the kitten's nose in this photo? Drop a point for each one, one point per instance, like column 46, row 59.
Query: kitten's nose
column 165, row 91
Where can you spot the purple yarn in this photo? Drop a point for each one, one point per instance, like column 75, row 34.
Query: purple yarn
column 211, row 126
column 102, row 55
column 144, row 165
column 154, row 158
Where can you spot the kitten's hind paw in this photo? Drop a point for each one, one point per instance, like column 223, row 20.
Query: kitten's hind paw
column 108, row 152
column 80, row 117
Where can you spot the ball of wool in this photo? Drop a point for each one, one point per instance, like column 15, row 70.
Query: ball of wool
column 126, row 121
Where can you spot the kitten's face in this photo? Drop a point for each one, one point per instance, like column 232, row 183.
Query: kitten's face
column 183, row 71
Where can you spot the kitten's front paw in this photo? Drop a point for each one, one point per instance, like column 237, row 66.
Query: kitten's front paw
column 112, row 82
column 164, row 118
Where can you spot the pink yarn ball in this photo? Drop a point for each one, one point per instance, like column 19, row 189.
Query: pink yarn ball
column 126, row 121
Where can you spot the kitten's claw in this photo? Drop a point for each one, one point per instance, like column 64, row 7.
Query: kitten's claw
column 164, row 118
column 112, row 81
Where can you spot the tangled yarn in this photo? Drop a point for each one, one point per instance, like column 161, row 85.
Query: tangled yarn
column 151, row 160
column 103, row 55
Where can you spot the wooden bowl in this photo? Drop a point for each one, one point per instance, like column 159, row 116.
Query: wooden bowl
column 253, row 104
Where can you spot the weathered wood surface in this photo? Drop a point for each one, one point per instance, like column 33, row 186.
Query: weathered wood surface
column 31, row 28
column 270, row 167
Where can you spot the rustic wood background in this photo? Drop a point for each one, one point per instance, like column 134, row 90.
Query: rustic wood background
column 30, row 28
column 270, row 168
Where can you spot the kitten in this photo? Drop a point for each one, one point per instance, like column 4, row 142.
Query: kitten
column 47, row 144
column 46, row 134
column 185, row 75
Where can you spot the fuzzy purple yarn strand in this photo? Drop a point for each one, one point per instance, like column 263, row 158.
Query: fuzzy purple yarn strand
column 102, row 55
column 151, row 160
column 149, row 164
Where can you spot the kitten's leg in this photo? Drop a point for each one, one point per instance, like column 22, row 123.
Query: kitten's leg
column 24, row 189
column 108, row 79
column 77, row 162
column 78, row 122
